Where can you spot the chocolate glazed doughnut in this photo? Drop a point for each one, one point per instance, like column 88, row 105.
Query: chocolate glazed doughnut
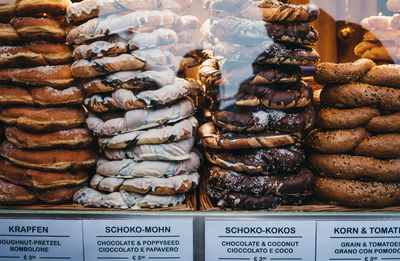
column 248, row 201
column 301, row 33
column 271, row 96
column 274, row 120
column 264, row 161
column 231, row 181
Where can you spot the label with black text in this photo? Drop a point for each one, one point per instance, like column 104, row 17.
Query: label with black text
column 140, row 240
column 358, row 240
column 259, row 240
column 22, row 239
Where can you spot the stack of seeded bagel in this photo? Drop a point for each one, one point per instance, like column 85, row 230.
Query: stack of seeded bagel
column 140, row 112
column 357, row 146
column 260, row 105
column 47, row 150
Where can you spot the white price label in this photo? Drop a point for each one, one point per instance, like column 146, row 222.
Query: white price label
column 358, row 240
column 140, row 240
column 22, row 239
column 259, row 240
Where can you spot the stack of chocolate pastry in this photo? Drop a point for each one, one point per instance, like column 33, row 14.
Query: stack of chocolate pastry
column 379, row 42
column 357, row 146
column 261, row 106
column 46, row 154
column 141, row 113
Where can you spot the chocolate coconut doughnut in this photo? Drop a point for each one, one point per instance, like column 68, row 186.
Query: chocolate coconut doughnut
column 165, row 133
column 44, row 96
column 336, row 141
column 355, row 167
column 39, row 179
column 216, row 139
column 274, row 120
column 129, row 100
column 123, row 199
column 115, row 23
column 383, row 75
column 73, row 138
column 150, row 185
column 34, row 54
column 251, row 202
column 331, row 73
column 140, row 80
column 91, row 68
column 173, row 151
column 43, row 119
column 231, row 181
column 332, row 118
column 273, row 96
column 128, row 168
column 355, row 193
column 49, row 160
column 32, row 29
column 12, row 194
column 112, row 124
column 360, row 95
column 265, row 161
column 54, row 8
column 300, row 33
column 57, row 76
column 284, row 53
column 111, row 47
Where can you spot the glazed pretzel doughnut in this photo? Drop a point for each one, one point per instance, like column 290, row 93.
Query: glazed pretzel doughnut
column 331, row 73
column 135, row 80
column 173, row 151
column 49, row 160
column 140, row 119
column 91, row 68
column 361, row 95
column 34, row 54
column 57, row 76
column 114, row 24
column 355, row 167
column 128, row 168
column 35, row 119
column 214, row 139
column 153, row 39
column 150, row 185
column 111, row 47
column 73, row 138
column 127, row 100
column 44, row 96
column 170, row 133
column 89, row 197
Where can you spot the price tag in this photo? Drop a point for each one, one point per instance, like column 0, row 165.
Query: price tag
column 358, row 240
column 139, row 240
column 40, row 239
column 260, row 240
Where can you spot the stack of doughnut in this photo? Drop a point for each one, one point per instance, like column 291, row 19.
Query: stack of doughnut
column 46, row 155
column 394, row 6
column 141, row 113
column 261, row 107
column 379, row 42
column 356, row 148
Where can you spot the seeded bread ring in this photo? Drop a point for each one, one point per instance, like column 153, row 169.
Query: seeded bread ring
column 355, row 193
column 383, row 75
column 355, row 167
column 332, row 118
column 331, row 73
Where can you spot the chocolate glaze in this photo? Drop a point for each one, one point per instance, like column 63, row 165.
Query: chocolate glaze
column 231, row 181
column 270, row 161
column 274, row 94
column 248, row 201
column 272, row 73
column 282, row 53
column 302, row 33
column 268, row 119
